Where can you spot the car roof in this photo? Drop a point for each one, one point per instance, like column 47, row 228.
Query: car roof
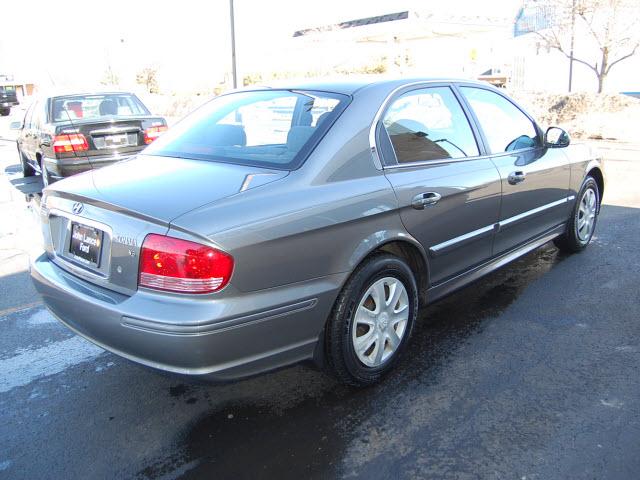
column 84, row 94
column 351, row 85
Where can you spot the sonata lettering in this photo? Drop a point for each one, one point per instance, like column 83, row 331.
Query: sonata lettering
column 129, row 241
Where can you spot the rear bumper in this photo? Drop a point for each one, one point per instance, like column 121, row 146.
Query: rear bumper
column 226, row 339
column 60, row 168
column 8, row 104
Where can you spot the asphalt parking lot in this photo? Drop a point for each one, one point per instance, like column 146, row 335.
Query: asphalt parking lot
column 532, row 373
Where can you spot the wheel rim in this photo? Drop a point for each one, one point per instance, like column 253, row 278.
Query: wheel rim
column 380, row 321
column 586, row 215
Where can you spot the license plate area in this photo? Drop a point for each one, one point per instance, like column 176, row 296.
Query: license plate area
column 115, row 140
column 85, row 244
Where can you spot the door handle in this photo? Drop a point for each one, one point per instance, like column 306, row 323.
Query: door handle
column 423, row 199
column 516, row 177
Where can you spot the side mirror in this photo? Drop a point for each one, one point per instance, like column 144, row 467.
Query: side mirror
column 15, row 126
column 555, row 137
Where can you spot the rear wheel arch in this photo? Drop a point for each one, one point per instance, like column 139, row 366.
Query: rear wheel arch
column 416, row 259
column 407, row 249
column 411, row 253
column 338, row 344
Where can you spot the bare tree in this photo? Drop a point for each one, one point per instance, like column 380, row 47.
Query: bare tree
column 110, row 77
column 148, row 77
column 612, row 24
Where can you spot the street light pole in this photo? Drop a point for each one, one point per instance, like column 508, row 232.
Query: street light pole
column 573, row 27
column 233, row 46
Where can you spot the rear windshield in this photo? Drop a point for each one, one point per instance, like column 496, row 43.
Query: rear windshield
column 96, row 106
column 7, row 89
column 266, row 128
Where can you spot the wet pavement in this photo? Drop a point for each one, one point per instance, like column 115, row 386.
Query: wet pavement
column 530, row 373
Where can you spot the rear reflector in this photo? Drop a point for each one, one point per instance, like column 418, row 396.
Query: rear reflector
column 176, row 265
column 74, row 142
column 151, row 133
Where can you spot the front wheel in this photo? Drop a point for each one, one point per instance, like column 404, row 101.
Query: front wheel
column 582, row 222
column 371, row 321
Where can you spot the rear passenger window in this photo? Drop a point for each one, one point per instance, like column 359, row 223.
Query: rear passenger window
column 429, row 124
column 504, row 125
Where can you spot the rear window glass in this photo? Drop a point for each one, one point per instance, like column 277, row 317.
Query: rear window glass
column 96, row 106
column 267, row 128
column 8, row 89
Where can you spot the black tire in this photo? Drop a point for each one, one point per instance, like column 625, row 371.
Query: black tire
column 570, row 241
column 5, row 111
column 342, row 360
column 27, row 168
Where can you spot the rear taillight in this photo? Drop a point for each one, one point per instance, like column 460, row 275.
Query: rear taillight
column 151, row 133
column 73, row 142
column 176, row 265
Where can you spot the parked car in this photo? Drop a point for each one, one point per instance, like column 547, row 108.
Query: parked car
column 68, row 134
column 312, row 222
column 8, row 99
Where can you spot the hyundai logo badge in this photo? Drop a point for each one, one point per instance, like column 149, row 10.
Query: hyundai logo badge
column 77, row 208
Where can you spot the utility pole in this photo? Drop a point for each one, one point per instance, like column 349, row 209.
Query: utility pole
column 233, row 46
column 573, row 27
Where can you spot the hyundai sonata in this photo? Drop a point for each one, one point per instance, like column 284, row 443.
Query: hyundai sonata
column 312, row 222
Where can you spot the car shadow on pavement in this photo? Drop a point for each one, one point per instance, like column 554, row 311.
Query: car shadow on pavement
column 31, row 187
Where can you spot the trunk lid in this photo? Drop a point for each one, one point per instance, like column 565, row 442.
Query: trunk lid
column 124, row 202
column 162, row 188
column 111, row 135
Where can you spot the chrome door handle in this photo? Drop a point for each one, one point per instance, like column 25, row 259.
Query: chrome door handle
column 516, row 177
column 423, row 199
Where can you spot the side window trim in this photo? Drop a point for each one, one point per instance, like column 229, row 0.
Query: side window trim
column 391, row 161
column 28, row 116
column 385, row 147
column 487, row 150
column 481, row 140
column 47, row 111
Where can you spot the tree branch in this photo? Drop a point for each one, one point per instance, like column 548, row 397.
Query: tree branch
column 633, row 52
column 594, row 68
column 591, row 30
column 557, row 46
column 551, row 42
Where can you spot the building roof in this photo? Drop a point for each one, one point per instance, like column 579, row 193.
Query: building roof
column 350, row 85
column 390, row 17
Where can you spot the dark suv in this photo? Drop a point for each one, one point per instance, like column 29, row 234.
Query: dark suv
column 64, row 135
column 8, row 99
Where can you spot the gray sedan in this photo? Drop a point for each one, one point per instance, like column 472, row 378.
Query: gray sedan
column 308, row 222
